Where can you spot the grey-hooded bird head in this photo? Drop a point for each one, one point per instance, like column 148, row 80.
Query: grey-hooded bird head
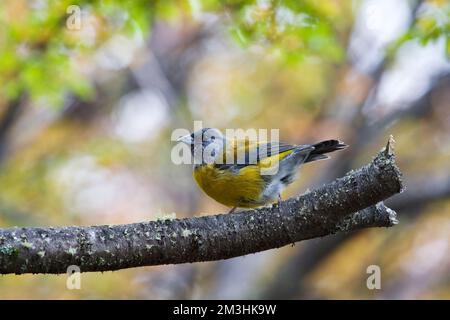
column 206, row 144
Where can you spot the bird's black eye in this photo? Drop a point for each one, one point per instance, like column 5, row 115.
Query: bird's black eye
column 213, row 138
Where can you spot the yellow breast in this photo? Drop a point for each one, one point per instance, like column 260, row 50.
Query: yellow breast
column 243, row 188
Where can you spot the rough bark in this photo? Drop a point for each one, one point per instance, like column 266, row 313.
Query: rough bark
column 348, row 203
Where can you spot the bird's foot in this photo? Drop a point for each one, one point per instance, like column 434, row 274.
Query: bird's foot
column 232, row 210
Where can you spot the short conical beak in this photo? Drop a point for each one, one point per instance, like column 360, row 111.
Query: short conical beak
column 185, row 139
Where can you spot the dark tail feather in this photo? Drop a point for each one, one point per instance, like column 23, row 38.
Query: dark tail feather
column 324, row 147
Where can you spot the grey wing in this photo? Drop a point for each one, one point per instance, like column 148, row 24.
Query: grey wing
column 288, row 166
column 252, row 157
column 287, row 170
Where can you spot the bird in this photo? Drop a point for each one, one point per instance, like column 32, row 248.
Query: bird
column 240, row 182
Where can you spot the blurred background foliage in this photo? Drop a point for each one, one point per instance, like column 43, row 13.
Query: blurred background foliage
column 86, row 116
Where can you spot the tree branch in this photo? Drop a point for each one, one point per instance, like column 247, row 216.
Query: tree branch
column 348, row 203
